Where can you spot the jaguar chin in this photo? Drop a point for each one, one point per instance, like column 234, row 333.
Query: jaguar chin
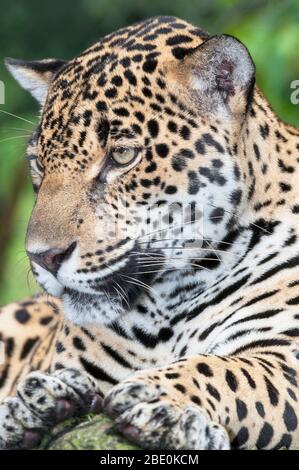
column 114, row 296
column 98, row 309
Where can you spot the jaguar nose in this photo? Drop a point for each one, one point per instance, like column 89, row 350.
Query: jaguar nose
column 52, row 259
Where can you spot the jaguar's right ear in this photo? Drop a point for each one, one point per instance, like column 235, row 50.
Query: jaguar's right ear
column 220, row 77
column 35, row 76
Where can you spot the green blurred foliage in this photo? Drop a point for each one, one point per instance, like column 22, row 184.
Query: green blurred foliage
column 62, row 28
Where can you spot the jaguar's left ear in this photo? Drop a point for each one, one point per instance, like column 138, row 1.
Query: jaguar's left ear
column 34, row 76
column 220, row 76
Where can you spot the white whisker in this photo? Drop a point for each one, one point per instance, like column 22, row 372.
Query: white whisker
column 137, row 282
column 15, row 137
column 17, row 117
column 251, row 223
column 122, row 294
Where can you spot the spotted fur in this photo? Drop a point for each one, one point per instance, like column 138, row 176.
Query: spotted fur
column 189, row 345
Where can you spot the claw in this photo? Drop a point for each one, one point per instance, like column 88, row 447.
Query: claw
column 42, row 401
column 109, row 409
column 132, row 433
column 64, row 410
column 31, row 439
column 96, row 405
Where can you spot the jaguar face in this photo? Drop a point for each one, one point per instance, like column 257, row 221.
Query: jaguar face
column 133, row 159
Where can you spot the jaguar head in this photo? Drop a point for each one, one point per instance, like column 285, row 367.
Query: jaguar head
column 133, row 159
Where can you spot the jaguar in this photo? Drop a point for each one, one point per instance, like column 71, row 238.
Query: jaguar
column 165, row 236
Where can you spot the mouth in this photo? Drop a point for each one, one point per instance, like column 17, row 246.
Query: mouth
column 123, row 287
column 110, row 301
column 101, row 300
column 110, row 297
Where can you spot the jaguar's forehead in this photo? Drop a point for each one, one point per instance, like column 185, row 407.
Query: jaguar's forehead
column 155, row 40
column 125, row 68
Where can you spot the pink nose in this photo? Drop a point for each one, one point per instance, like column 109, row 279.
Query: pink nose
column 52, row 259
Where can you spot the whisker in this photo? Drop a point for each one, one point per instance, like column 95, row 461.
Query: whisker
column 118, row 293
column 29, row 272
column 170, row 227
column 8, row 129
column 213, row 240
column 160, row 240
column 176, row 259
column 137, row 282
column 15, row 137
column 203, row 240
column 173, row 261
column 187, row 248
column 167, row 269
column 21, row 260
column 123, row 296
column 218, row 257
column 251, row 223
column 17, row 117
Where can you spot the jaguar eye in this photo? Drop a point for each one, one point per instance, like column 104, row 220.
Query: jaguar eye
column 123, row 155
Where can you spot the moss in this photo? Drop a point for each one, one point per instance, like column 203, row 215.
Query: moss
column 89, row 432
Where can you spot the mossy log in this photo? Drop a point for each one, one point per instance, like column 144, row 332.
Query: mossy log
column 88, row 433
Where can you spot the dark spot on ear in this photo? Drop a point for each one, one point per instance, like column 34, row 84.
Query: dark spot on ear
column 224, row 79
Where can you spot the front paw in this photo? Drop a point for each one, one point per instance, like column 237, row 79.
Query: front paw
column 148, row 417
column 42, row 401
